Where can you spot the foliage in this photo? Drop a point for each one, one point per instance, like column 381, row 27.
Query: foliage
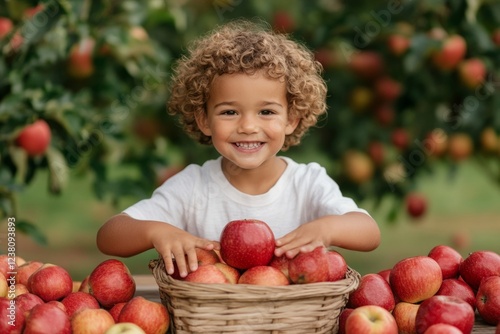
column 106, row 104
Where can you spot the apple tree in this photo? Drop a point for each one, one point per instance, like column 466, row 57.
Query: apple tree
column 83, row 87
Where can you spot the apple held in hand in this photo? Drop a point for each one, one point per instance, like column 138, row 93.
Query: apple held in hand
column 263, row 275
column 247, row 243
column 151, row 316
column 311, row 267
column 50, row 282
column 337, row 266
column 479, row 265
column 448, row 259
column 447, row 310
column 371, row 319
column 111, row 282
column 488, row 300
column 416, row 278
column 373, row 289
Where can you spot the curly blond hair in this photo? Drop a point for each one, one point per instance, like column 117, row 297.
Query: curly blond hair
column 246, row 47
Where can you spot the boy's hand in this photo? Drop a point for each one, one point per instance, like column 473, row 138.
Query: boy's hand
column 303, row 239
column 180, row 245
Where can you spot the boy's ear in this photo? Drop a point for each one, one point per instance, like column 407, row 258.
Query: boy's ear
column 202, row 122
column 293, row 122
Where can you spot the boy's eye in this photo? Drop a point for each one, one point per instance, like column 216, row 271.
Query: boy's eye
column 228, row 112
column 266, row 112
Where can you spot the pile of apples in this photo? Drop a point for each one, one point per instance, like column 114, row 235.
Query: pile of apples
column 37, row 297
column 437, row 293
column 239, row 263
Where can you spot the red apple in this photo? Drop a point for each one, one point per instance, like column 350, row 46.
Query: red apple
column 488, row 300
column 479, row 265
column 387, row 89
column 400, row 138
column 247, row 243
column 404, row 313
column 79, row 300
column 373, row 289
column 371, row 319
column 497, row 331
column 232, row 274
column 344, row 314
column 151, row 316
column 458, row 288
column 25, row 270
column 472, row 72
column 416, row 204
column 5, row 27
column 416, row 278
column 337, row 266
column 35, row 138
column 206, row 274
column 116, row 309
column 398, row 44
column 111, row 282
column 309, row 267
column 451, row 53
column 435, row 142
column 367, row 64
column 384, row 114
column 84, row 285
column 447, row 310
column 376, row 151
column 15, row 312
column 91, row 321
column 263, row 275
column 203, row 256
column 4, row 286
column 47, row 318
column 19, row 289
column 80, row 62
column 283, row 22
column 448, row 259
column 50, row 282
column 385, row 273
column 326, row 57
column 442, row 329
column 125, row 328
column 281, row 263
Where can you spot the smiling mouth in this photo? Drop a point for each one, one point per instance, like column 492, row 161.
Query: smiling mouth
column 249, row 145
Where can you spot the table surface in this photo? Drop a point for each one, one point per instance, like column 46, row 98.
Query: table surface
column 147, row 287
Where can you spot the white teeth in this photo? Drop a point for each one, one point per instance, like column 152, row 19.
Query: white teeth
column 248, row 146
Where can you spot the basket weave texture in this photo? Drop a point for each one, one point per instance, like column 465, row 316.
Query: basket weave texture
column 244, row 308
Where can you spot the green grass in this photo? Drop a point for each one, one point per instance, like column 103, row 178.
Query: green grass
column 466, row 204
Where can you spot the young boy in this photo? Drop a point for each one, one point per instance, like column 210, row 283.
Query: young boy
column 250, row 93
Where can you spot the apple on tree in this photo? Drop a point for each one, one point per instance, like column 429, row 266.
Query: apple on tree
column 247, row 243
column 416, row 204
column 35, row 138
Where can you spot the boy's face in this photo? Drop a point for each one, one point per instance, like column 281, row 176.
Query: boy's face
column 247, row 118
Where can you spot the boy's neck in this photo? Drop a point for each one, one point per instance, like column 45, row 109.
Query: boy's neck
column 255, row 181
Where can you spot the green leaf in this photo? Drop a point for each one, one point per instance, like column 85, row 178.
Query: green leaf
column 32, row 231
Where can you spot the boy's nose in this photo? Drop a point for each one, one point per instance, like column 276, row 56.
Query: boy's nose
column 247, row 124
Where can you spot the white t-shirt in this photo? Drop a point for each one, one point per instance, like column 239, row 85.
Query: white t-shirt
column 201, row 201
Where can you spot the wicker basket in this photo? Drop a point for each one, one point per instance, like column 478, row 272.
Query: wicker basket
column 244, row 308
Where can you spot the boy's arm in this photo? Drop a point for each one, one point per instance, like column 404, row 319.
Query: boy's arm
column 353, row 230
column 125, row 236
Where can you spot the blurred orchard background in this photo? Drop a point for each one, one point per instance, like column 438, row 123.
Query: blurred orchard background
column 412, row 132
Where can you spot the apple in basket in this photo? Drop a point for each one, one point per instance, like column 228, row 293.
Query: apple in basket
column 310, row 267
column 247, row 243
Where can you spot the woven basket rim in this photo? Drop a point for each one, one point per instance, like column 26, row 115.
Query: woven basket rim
column 209, row 291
